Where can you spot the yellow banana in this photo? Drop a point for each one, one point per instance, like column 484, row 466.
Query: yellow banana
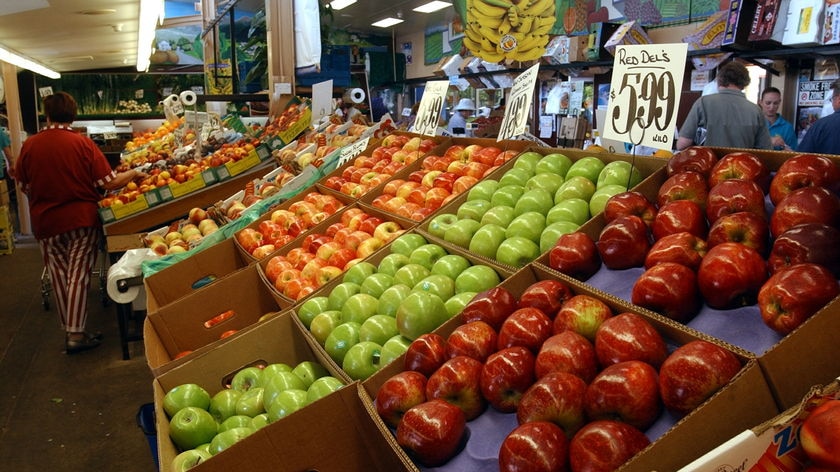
column 504, row 28
column 540, row 7
column 473, row 46
column 526, row 23
column 531, row 40
column 472, row 33
column 529, row 55
column 491, row 34
column 477, row 17
column 490, row 56
column 487, row 10
column 542, row 27
column 514, row 16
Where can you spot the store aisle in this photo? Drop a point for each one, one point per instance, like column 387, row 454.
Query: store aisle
column 59, row 412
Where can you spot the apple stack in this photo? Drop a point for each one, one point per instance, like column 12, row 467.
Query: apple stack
column 573, row 378
column 183, row 235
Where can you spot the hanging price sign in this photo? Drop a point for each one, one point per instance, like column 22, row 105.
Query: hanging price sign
column 518, row 106
column 645, row 94
column 428, row 115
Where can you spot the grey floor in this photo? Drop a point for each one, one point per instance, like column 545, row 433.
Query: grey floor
column 59, row 412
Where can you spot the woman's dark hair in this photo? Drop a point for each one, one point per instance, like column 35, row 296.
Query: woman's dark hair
column 60, row 107
column 770, row 90
column 733, row 73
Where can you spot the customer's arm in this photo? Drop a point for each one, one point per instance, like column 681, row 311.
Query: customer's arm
column 121, row 179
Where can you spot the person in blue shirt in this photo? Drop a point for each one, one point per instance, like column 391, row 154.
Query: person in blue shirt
column 782, row 135
column 6, row 161
column 823, row 136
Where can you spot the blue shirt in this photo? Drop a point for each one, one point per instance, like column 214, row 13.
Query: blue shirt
column 823, row 136
column 783, row 128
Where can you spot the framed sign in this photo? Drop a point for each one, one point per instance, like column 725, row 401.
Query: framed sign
column 518, row 106
column 428, row 114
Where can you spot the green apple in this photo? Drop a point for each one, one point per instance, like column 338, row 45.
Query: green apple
column 462, row 231
column 235, row 421
column 601, row 195
column 507, row 195
column 528, row 161
column 619, row 173
column 192, row 426
column 553, row 163
column 426, row 255
column 247, row 378
column 500, row 215
column 322, row 387
column 472, row 209
column 410, row 274
column 575, row 187
column 273, row 368
column 204, row 448
column 309, row 371
column 189, row 459
column 477, row 278
column 184, row 395
column 359, row 307
column 341, row 339
column 251, row 402
column 545, row 181
column 407, row 242
column 456, row 303
column 487, row 239
column 438, row 224
column 528, row 225
column 278, row 383
column 378, row 328
column 223, row 404
column 483, row 190
column 377, row 283
column 323, row 324
column 362, row 360
column 589, row 167
column 286, row 403
column 440, row 285
column 552, row 232
column 390, row 299
column 515, row 176
column 538, row 200
column 228, row 438
column 517, row 251
column 260, row 421
column 419, row 313
column 312, row 308
column 450, row 265
column 393, row 348
column 358, row 272
column 575, row 210
column 340, row 293
column 390, row 263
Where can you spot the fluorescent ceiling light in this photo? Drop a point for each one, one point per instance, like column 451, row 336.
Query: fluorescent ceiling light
column 432, row 6
column 384, row 23
column 26, row 63
column 151, row 13
column 339, row 4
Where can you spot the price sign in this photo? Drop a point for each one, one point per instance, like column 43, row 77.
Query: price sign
column 321, row 100
column 352, row 150
column 518, row 106
column 428, row 115
column 645, row 94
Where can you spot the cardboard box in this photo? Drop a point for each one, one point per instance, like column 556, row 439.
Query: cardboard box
column 803, row 25
column 831, row 24
column 764, row 20
column 739, row 24
column 628, row 33
column 598, row 37
column 565, row 49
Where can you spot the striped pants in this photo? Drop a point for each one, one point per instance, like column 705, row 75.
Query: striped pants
column 69, row 259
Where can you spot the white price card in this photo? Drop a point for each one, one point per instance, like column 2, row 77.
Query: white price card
column 428, row 115
column 352, row 150
column 518, row 106
column 645, row 94
column 321, row 100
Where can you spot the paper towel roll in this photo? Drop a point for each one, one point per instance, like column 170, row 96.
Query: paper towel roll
column 188, row 97
column 114, row 292
column 355, row 95
column 171, row 100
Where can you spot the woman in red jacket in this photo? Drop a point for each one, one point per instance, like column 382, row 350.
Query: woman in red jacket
column 62, row 172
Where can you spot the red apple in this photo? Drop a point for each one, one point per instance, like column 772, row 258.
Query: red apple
column 730, row 275
column 432, row 432
column 623, row 242
column 820, row 435
column 803, row 170
column 677, row 217
column 683, row 248
column 582, row 314
column 426, row 353
column 686, row 185
column 627, row 391
column 805, row 205
column 567, row 352
column 628, row 336
column 732, row 196
column 743, row 227
column 807, row 242
column 558, row 397
column 575, row 255
column 491, row 306
column 631, row 202
column 538, row 446
column 547, row 296
column 668, row 288
column 793, row 294
column 475, row 339
column 693, row 373
column 696, row 158
column 458, row 381
column 604, row 446
column 505, row 376
column 526, row 327
column 740, row 165
column 398, row 394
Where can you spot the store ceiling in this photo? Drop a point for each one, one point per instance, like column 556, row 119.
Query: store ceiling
column 84, row 35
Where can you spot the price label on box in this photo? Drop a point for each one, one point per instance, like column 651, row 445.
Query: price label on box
column 240, row 166
column 289, row 134
column 179, row 190
column 352, row 150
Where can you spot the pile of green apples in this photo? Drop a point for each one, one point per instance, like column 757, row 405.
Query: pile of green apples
column 201, row 425
column 519, row 216
column 371, row 317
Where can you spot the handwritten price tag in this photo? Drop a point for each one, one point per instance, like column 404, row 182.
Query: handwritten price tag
column 645, row 94
column 428, row 115
column 515, row 121
column 352, row 150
